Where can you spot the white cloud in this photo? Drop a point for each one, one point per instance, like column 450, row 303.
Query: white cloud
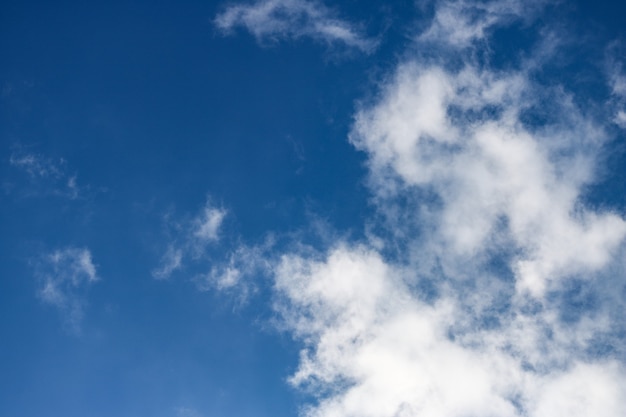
column 585, row 390
column 208, row 225
column 64, row 276
column 239, row 271
column 191, row 240
column 620, row 119
column 276, row 19
column 374, row 349
column 485, row 205
column 492, row 169
column 617, row 82
column 487, row 286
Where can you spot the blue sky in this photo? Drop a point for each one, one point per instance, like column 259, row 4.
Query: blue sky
column 306, row 208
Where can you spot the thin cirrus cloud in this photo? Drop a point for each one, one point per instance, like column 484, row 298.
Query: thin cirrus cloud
column 469, row 300
column 47, row 176
column 191, row 240
column 187, row 412
column 292, row 19
column 64, row 276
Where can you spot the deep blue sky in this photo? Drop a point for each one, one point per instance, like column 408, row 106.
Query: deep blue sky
column 151, row 113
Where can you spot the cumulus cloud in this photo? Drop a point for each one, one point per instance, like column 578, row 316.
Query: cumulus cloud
column 373, row 348
column 64, row 277
column 191, row 240
column 489, row 287
column 461, row 135
column 276, row 19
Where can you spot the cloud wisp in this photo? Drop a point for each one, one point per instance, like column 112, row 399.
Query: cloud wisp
column 64, row 277
column 617, row 81
column 191, row 241
column 47, row 176
column 461, row 23
column 271, row 20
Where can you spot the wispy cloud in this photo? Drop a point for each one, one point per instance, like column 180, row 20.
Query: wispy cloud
column 191, row 240
column 170, row 262
column 460, row 23
column 617, row 82
column 461, row 135
column 37, row 166
column 64, row 277
column 292, row 19
column 239, row 271
column 47, row 176
column 620, row 119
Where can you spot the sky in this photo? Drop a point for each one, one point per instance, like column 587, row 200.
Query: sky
column 313, row 208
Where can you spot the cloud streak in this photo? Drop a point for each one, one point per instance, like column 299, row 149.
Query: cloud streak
column 271, row 20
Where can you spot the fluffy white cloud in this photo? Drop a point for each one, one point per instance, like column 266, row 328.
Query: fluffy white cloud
column 374, row 349
column 275, row 19
column 64, row 276
column 488, row 290
column 461, row 135
column 489, row 287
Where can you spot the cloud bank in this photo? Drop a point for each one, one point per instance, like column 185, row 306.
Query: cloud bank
column 270, row 20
